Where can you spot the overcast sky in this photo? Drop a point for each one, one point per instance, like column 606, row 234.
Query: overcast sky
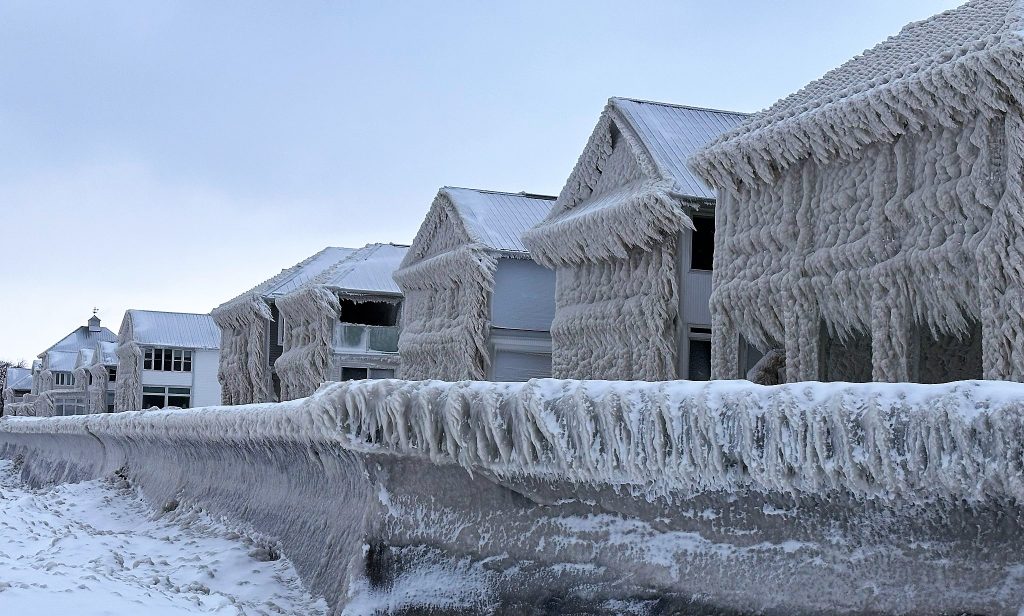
column 169, row 155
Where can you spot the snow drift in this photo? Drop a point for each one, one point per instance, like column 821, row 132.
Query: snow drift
column 597, row 496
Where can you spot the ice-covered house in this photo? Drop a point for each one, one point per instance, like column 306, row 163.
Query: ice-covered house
column 96, row 374
column 167, row 359
column 476, row 305
column 870, row 225
column 630, row 238
column 17, row 385
column 343, row 324
column 250, row 338
column 55, row 388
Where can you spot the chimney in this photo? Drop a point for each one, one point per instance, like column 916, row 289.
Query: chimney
column 94, row 323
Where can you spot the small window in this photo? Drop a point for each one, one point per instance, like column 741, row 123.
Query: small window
column 112, row 373
column 382, row 373
column 702, row 243
column 352, row 374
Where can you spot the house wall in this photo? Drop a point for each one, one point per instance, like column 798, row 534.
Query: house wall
column 617, row 319
column 913, row 236
column 524, row 295
column 205, row 386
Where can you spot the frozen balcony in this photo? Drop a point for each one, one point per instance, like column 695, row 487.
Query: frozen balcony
column 352, row 338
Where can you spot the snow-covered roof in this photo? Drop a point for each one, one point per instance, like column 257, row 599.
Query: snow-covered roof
column 672, row 133
column 173, row 329
column 631, row 182
column 85, row 358
column 367, row 270
column 296, row 276
column 108, row 352
column 19, row 378
column 964, row 59
column 60, row 361
column 497, row 219
column 82, row 338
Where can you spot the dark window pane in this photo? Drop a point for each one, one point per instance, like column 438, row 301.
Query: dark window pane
column 369, row 313
column 700, row 360
column 702, row 243
column 352, row 374
column 112, row 374
column 152, row 400
column 181, row 401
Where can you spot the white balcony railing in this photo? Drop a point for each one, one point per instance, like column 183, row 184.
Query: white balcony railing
column 365, row 338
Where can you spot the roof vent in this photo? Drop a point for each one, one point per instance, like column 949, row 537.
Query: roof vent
column 94, row 323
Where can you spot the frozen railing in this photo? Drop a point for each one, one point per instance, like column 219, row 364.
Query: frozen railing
column 366, row 338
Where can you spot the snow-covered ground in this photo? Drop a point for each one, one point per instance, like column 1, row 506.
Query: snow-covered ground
column 96, row 548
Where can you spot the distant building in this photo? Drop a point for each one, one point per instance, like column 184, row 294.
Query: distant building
column 341, row 324
column 250, row 338
column 631, row 238
column 18, row 385
column 476, row 305
column 167, row 359
column 55, row 390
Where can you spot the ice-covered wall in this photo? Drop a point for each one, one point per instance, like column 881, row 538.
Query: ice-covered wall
column 612, row 239
column 884, row 201
column 446, row 311
column 244, row 373
column 594, row 496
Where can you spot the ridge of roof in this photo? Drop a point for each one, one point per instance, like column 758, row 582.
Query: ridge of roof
column 522, row 193
column 678, row 105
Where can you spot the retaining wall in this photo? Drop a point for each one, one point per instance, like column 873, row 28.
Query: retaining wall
column 554, row 496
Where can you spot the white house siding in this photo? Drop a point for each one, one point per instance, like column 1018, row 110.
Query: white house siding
column 205, row 386
column 524, row 295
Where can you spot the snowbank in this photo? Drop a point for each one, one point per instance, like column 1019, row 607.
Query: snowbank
column 94, row 548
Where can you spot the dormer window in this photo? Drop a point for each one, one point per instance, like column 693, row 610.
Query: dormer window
column 168, row 360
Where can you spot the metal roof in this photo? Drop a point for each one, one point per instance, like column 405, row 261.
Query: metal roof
column 174, row 329
column 498, row 219
column 19, row 378
column 672, row 133
column 82, row 338
column 297, row 275
column 367, row 270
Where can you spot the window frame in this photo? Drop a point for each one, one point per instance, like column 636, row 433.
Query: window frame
column 167, row 359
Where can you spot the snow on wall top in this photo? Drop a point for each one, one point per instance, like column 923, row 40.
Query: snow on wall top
column 953, row 442
column 173, row 329
column 296, row 276
column 367, row 270
column 672, row 133
column 928, row 69
column 81, row 338
column 497, row 219
column 19, row 378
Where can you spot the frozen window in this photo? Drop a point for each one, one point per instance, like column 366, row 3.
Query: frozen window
column 702, row 243
column 699, row 364
column 112, row 373
column 168, row 360
column 369, row 313
column 382, row 373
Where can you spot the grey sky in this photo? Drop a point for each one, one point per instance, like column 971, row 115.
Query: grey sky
column 169, row 155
